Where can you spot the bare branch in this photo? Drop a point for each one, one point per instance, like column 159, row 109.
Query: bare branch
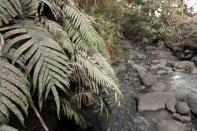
column 1, row 42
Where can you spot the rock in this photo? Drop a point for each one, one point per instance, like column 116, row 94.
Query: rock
column 139, row 69
column 184, row 66
column 194, row 108
column 163, row 62
column 129, row 61
column 141, row 56
column 194, row 71
column 191, row 98
column 192, row 101
column 182, row 108
column 170, row 106
column 158, row 87
column 148, row 79
column 156, row 116
column 194, row 59
column 170, row 126
column 155, row 101
column 161, row 72
column 184, row 119
column 155, row 61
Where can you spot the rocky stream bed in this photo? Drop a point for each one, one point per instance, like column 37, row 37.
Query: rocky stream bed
column 159, row 91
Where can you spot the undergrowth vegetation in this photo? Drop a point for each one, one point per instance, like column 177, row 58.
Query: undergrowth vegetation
column 147, row 24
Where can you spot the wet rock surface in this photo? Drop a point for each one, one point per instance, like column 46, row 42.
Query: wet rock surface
column 182, row 108
column 158, row 87
column 170, row 126
column 147, row 79
column 156, row 101
column 153, row 81
column 181, row 118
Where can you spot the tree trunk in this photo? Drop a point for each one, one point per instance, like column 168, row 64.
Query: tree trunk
column 94, row 3
column 153, row 4
column 182, row 7
column 169, row 7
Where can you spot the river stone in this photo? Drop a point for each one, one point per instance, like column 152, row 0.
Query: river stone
column 184, row 66
column 155, row 61
column 182, row 108
column 155, row 101
column 194, row 59
column 184, row 119
column 139, row 69
column 156, row 116
column 170, row 106
column 158, row 87
column 148, row 79
column 161, row 72
column 170, row 126
column 192, row 101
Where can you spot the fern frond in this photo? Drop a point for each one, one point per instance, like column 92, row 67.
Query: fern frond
column 81, row 79
column 29, row 7
column 9, row 10
column 77, row 39
column 44, row 57
column 83, row 98
column 60, row 35
column 55, row 7
column 105, row 66
column 7, row 128
column 81, row 22
column 99, row 76
column 14, row 91
column 73, row 113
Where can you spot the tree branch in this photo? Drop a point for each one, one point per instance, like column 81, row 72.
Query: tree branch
column 38, row 116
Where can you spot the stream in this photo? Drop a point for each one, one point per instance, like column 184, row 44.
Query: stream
column 179, row 77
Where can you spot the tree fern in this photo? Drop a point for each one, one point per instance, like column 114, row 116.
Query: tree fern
column 62, row 56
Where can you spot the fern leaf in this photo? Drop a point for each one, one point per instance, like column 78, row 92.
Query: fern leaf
column 72, row 113
column 9, row 10
column 40, row 53
column 60, row 35
column 80, row 21
column 29, row 7
column 4, row 111
column 14, row 91
column 7, row 128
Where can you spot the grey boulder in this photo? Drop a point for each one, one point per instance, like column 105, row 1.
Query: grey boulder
column 170, row 126
column 158, row 87
column 192, row 102
column 156, row 100
column 148, row 79
column 182, row 108
column 184, row 119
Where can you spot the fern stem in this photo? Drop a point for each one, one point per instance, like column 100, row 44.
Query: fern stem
column 38, row 116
